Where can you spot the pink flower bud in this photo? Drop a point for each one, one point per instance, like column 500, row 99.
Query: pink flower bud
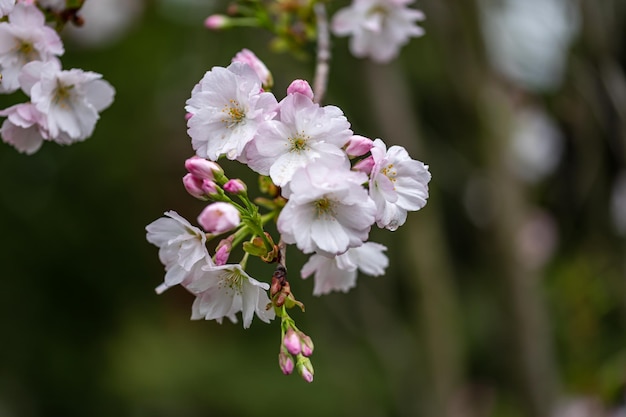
column 223, row 251
column 286, row 363
column 193, row 185
column 291, row 341
column 188, row 116
column 248, row 57
column 364, row 165
column 359, row 145
column 300, row 86
column 216, row 21
column 235, row 186
column 209, row 187
column 307, row 344
column 219, row 217
column 305, row 368
column 202, row 168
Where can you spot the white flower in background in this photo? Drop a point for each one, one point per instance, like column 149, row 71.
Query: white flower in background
column 106, row 21
column 379, row 28
column 528, row 40
column 304, row 133
column 339, row 273
column 224, row 290
column 181, row 247
column 397, row 184
column 25, row 38
column 6, row 6
column 328, row 210
column 536, row 145
column 227, row 107
column 70, row 99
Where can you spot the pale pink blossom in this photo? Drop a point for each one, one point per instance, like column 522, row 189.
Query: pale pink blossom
column 378, row 28
column 70, row 99
column 25, row 38
column 6, row 6
column 181, row 247
column 24, row 128
column 304, row 133
column 339, row 273
column 228, row 108
column 328, row 210
column 397, row 184
column 224, row 290
column 219, row 217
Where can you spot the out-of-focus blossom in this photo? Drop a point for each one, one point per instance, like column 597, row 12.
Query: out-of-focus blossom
column 6, row 6
column 25, row 38
column 378, row 28
column 528, row 40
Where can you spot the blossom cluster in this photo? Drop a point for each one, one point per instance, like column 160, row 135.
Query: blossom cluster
column 63, row 105
column 327, row 188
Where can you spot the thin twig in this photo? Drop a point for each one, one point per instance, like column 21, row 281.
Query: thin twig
column 320, row 81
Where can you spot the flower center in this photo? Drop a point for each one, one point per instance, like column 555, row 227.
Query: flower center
column 390, row 172
column 63, row 95
column 299, row 142
column 27, row 51
column 233, row 280
column 325, row 208
column 235, row 114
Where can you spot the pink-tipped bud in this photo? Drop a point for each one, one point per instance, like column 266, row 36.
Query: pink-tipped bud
column 364, row 165
column 209, row 187
column 359, row 146
column 306, row 343
column 302, row 87
column 202, row 168
column 235, row 186
column 291, row 341
column 305, row 368
column 219, row 217
column 193, row 185
column 286, row 363
column 248, row 57
column 216, row 21
column 188, row 115
column 223, row 251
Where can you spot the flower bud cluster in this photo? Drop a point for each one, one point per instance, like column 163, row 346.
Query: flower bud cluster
column 327, row 187
column 63, row 105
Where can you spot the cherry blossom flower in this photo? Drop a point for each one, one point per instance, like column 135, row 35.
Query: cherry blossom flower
column 397, row 184
column 339, row 273
column 24, row 128
column 305, row 132
column 328, row 210
column 70, row 99
column 25, row 38
column 181, row 247
column 224, row 290
column 228, row 108
column 378, row 27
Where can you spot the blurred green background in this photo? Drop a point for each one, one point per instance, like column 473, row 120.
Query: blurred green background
column 505, row 295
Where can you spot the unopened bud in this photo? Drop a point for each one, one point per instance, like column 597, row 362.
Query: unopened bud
column 302, row 87
column 193, row 185
column 219, row 217
column 216, row 21
column 365, row 165
column 248, row 57
column 305, row 368
column 209, row 187
column 285, row 361
column 291, row 341
column 307, row 344
column 202, row 168
column 235, row 186
column 223, row 251
column 359, row 146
